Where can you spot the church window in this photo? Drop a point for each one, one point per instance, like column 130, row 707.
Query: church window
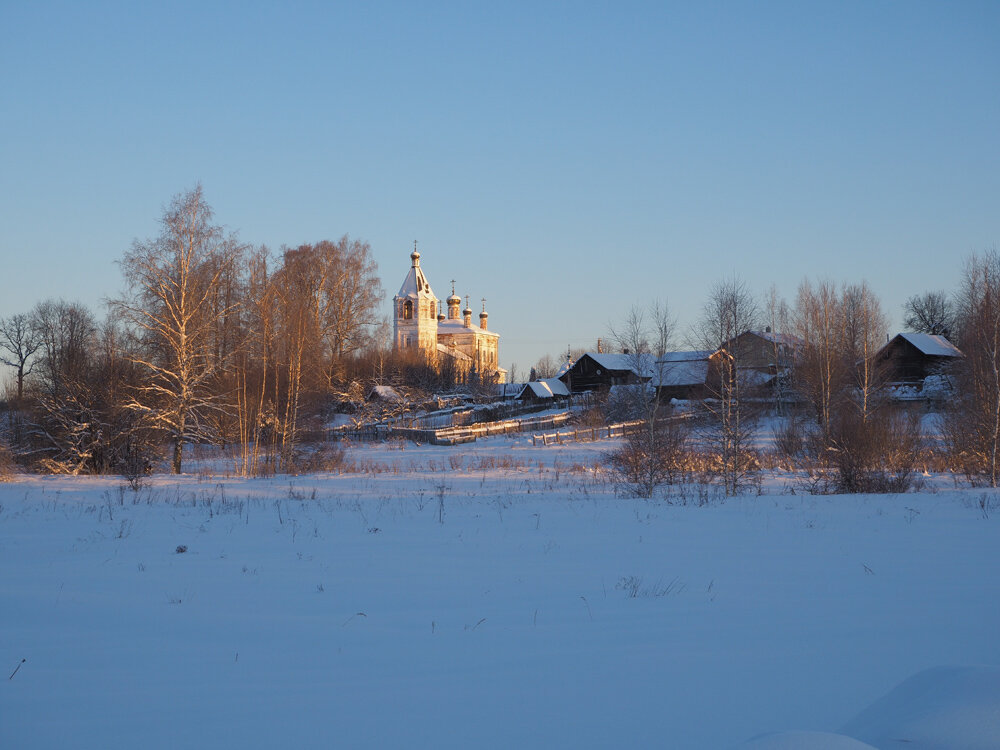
column 407, row 310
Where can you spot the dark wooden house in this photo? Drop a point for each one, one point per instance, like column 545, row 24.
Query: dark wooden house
column 595, row 371
column 763, row 351
column 909, row 358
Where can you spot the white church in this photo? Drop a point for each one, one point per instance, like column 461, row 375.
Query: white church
column 419, row 325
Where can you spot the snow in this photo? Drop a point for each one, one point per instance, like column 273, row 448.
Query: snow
column 786, row 339
column 939, row 708
column 693, row 372
column 385, row 393
column 625, row 362
column 685, row 356
column 547, row 388
column 931, row 345
column 491, row 595
column 415, row 285
column 805, row 740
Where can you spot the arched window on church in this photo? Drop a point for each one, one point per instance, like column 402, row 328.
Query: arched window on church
column 407, row 310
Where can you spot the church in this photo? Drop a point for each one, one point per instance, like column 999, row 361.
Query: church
column 420, row 325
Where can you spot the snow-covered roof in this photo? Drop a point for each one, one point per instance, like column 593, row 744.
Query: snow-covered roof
column 689, row 356
column 509, row 390
column 457, row 328
column 778, row 338
column 415, row 285
column 642, row 364
column 682, row 372
column 547, row 388
column 931, row 345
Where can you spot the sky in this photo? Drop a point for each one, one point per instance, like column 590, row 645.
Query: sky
column 566, row 161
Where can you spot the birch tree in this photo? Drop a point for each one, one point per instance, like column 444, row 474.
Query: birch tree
column 865, row 328
column 172, row 297
column 818, row 320
column 730, row 311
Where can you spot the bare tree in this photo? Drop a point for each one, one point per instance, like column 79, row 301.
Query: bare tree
column 820, row 372
column 651, row 455
column 173, row 282
column 972, row 425
column 930, row 312
column 730, row 311
column 865, row 328
column 777, row 316
column 545, row 367
column 352, row 294
column 65, row 332
column 19, row 338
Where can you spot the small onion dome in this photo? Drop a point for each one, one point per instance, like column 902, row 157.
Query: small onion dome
column 483, row 315
column 454, row 299
column 415, row 257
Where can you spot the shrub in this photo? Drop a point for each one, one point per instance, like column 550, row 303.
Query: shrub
column 650, row 458
column 7, row 466
column 877, row 454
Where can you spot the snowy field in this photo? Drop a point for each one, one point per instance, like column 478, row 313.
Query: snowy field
column 493, row 595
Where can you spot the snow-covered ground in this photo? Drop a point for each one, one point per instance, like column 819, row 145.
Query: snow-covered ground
column 493, row 595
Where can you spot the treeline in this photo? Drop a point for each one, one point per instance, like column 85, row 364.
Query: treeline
column 841, row 423
column 211, row 340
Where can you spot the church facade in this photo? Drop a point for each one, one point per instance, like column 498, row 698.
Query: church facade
column 421, row 326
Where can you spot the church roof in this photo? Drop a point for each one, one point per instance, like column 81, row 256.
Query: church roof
column 457, row 327
column 415, row 284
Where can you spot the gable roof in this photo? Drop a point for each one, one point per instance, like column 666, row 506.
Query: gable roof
column 682, row 372
column 931, row 345
column 688, row 356
column 779, row 338
column 642, row 365
column 547, row 388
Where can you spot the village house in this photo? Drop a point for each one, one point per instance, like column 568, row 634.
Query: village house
column 910, row 358
column 597, row 370
column 764, row 351
column 546, row 389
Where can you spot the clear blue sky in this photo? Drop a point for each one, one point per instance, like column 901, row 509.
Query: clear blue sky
column 565, row 160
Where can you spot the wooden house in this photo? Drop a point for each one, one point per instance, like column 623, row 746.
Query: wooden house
column 547, row 389
column 598, row 371
column 763, row 351
column 909, row 358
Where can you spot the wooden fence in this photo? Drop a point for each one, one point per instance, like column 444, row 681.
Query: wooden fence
column 578, row 434
column 619, row 429
column 454, row 435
